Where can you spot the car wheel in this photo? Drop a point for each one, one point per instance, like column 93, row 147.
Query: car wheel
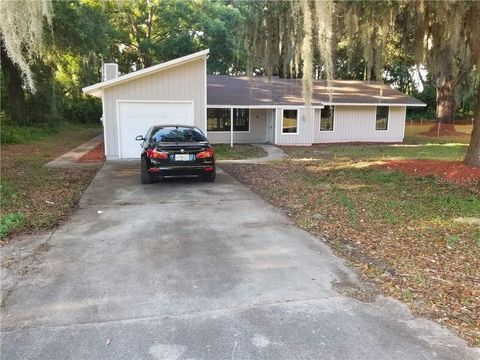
column 145, row 176
column 209, row 177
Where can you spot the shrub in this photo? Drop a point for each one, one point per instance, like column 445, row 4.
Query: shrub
column 10, row 222
column 14, row 134
column 83, row 110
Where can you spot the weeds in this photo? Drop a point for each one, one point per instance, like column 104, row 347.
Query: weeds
column 9, row 223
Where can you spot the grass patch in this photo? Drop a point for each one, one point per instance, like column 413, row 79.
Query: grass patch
column 449, row 151
column 346, row 202
column 237, row 152
column 10, row 222
column 415, row 146
column 31, row 134
column 453, row 240
column 43, row 196
column 8, row 192
column 414, row 135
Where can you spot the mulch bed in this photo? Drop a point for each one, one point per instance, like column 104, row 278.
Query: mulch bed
column 97, row 154
column 452, row 171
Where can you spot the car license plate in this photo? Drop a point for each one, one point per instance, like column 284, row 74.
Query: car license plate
column 182, row 157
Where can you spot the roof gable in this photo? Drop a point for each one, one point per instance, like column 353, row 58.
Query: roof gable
column 96, row 89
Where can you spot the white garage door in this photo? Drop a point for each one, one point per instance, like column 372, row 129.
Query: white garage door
column 135, row 118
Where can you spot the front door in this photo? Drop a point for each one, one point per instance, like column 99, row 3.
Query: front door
column 271, row 126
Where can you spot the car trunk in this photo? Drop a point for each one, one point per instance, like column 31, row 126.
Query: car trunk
column 182, row 154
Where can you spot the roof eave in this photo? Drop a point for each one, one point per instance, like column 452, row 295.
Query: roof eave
column 96, row 92
column 375, row 104
column 265, row 106
column 317, row 105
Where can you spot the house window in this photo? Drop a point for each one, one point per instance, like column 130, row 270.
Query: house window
column 241, row 120
column 289, row 122
column 219, row 119
column 326, row 118
column 382, row 118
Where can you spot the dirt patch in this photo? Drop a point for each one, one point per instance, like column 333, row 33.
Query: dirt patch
column 355, row 291
column 439, row 129
column 452, row 171
column 97, row 154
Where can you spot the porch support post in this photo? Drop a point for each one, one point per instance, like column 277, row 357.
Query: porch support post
column 231, row 127
column 275, row 126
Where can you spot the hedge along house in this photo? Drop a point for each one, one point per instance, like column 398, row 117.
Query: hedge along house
column 243, row 110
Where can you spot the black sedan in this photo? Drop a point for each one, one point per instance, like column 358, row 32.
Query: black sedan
column 176, row 151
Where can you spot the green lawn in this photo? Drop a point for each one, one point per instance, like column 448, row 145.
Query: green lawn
column 35, row 134
column 240, row 151
column 416, row 146
column 432, row 151
column 400, row 231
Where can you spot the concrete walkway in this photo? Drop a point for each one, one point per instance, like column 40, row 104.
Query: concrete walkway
column 274, row 153
column 191, row 270
column 70, row 159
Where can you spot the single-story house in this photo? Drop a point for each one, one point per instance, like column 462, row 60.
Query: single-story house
column 232, row 109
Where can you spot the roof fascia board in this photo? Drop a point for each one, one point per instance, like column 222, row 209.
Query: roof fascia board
column 263, row 106
column 373, row 104
column 313, row 106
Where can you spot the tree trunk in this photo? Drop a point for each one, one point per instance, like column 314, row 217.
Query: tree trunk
column 446, row 102
column 15, row 93
column 473, row 153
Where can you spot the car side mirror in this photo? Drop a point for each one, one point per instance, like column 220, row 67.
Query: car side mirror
column 139, row 138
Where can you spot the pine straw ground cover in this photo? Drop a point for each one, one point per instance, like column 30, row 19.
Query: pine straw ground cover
column 398, row 230
column 36, row 198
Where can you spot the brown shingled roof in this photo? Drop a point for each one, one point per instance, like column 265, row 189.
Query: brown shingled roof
column 259, row 90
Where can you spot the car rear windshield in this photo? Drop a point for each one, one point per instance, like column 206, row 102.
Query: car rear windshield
column 176, row 134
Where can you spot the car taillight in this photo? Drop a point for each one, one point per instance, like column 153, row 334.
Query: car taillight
column 155, row 154
column 206, row 154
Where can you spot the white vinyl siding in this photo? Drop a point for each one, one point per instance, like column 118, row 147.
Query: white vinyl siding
column 185, row 82
column 357, row 123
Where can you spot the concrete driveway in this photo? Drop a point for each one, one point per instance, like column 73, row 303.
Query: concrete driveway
column 192, row 270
